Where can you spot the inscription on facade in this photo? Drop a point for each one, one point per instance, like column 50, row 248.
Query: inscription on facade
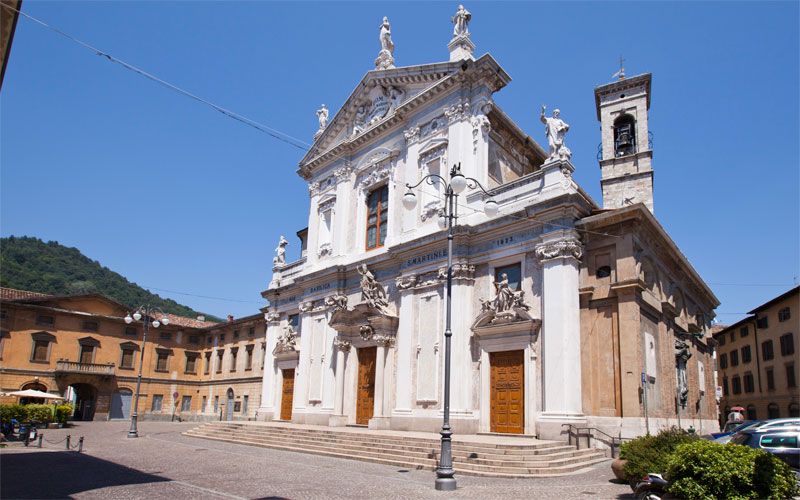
column 318, row 288
column 428, row 257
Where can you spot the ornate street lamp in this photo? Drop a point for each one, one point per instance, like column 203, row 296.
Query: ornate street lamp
column 448, row 215
column 145, row 315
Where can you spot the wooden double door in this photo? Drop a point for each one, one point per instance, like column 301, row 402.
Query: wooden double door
column 507, row 382
column 365, row 400
column 287, row 394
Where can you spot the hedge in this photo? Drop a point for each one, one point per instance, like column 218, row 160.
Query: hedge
column 35, row 413
column 650, row 453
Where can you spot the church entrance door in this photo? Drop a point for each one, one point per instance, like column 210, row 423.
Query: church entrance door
column 507, row 392
column 287, row 396
column 365, row 404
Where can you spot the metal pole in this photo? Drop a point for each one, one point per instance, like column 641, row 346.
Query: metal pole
column 80, row 444
column 134, row 431
column 444, row 472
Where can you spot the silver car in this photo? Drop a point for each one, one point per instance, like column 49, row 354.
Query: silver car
column 781, row 441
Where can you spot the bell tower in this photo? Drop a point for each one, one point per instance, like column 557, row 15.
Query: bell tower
column 626, row 162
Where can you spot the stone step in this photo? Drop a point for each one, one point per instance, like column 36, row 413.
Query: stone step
column 571, row 456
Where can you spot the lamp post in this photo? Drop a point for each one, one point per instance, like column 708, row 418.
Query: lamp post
column 458, row 183
column 143, row 314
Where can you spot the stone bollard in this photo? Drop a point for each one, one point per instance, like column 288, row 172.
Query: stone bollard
column 68, row 438
column 41, row 436
column 80, row 444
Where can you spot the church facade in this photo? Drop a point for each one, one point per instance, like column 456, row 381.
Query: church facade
column 564, row 311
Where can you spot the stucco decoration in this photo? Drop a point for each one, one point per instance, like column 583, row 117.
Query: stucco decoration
column 555, row 129
column 480, row 124
column 385, row 59
column 682, row 355
column 336, row 302
column 559, row 249
column 325, row 249
column 287, row 341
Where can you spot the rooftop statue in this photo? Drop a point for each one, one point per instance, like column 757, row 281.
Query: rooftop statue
column 556, row 129
column 280, row 252
column 461, row 22
column 322, row 115
column 385, row 58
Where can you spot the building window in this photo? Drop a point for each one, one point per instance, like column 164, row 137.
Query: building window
column 158, row 399
column 736, row 384
column 221, row 338
column 751, row 412
column 794, row 410
column 787, row 344
column 377, row 217
column 191, row 362
column 205, row 402
column 127, row 359
column 770, row 379
column 40, row 350
column 734, row 358
column 165, row 335
column 248, row 359
column 130, row 331
column 220, row 354
column 773, row 411
column 746, row 356
column 721, row 340
column 3, row 314
column 90, row 326
column 162, row 361
column 234, row 353
column 784, row 314
column 251, row 332
column 245, row 400
column 208, row 340
column 194, row 339
column 743, row 332
column 236, row 334
column 766, row 350
column 748, row 383
column 45, row 320
column 186, row 403
column 87, row 354
column 762, row 323
column 3, row 335
column 791, row 382
column 724, row 386
column 733, row 336
column 207, row 367
column 723, row 361
column 216, row 404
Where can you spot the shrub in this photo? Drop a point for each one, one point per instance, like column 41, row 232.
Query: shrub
column 650, row 453
column 63, row 413
column 706, row 470
column 13, row 411
column 40, row 413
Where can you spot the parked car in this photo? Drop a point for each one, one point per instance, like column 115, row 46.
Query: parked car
column 781, row 441
column 732, row 428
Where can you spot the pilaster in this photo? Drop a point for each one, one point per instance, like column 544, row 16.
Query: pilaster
column 267, row 409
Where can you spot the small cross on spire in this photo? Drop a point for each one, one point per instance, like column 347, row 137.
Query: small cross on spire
column 621, row 73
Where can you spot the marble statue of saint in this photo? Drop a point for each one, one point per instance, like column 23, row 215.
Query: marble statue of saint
column 505, row 295
column 556, row 129
column 386, row 36
column 322, row 115
column 372, row 292
column 461, row 22
column 280, row 252
column 682, row 355
column 360, row 121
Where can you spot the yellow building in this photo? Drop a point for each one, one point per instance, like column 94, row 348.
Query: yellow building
column 757, row 360
column 80, row 347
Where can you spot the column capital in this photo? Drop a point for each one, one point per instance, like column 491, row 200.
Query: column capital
column 342, row 345
column 384, row 340
column 566, row 247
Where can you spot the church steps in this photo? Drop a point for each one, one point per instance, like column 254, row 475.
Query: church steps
column 491, row 459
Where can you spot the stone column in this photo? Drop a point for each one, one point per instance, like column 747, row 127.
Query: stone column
column 266, row 410
column 339, row 419
column 561, row 336
column 378, row 421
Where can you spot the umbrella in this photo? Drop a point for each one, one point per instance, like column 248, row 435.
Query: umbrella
column 32, row 393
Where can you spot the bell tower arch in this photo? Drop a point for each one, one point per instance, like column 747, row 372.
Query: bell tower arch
column 626, row 155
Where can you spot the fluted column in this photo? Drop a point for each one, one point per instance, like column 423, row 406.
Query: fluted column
column 338, row 418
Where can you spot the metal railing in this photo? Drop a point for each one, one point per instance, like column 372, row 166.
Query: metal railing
column 613, row 442
column 65, row 366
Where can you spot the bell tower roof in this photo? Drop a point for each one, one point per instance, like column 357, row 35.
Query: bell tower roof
column 613, row 91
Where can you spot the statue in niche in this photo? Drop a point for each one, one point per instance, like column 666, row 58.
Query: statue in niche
column 372, row 292
column 461, row 22
column 556, row 129
column 505, row 296
column 682, row 355
column 506, row 301
column 280, row 252
column 385, row 58
column 322, row 116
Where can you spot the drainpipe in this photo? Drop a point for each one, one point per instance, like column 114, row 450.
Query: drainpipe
column 758, row 358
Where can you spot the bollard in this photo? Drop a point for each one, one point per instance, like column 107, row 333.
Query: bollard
column 68, row 438
column 27, row 439
column 41, row 436
column 80, row 444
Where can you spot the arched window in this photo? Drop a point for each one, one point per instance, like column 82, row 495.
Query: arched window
column 794, row 410
column 751, row 412
column 773, row 411
column 624, row 135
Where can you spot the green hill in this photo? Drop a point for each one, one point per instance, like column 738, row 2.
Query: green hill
column 28, row 263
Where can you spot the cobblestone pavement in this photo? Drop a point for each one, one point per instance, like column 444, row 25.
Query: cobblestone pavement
column 164, row 464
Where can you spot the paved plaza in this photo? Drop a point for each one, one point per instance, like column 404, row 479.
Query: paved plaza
column 164, row 464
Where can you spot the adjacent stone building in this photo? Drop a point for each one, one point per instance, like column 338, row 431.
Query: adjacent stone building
column 564, row 311
column 757, row 360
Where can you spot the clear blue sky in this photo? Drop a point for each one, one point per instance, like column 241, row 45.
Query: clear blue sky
column 176, row 196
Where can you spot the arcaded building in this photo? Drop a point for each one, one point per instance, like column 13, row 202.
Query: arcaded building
column 565, row 310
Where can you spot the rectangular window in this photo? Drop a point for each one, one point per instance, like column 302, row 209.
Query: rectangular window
column 733, row 336
column 205, row 402
column 3, row 314
column 194, row 339
column 770, row 379
column 251, row 332
column 263, row 354
column 221, row 338
column 208, row 340
column 746, row 356
column 244, row 403
column 377, row 217
column 748, row 383
column 725, row 386
column 743, row 331
column 90, row 326
column 127, row 359
column 220, row 354
column 723, row 361
column 787, row 344
column 248, row 360
column 186, row 403
column 234, row 353
column 236, row 334
column 191, row 363
column 734, row 358
column 41, row 350
column 165, row 335
column 784, row 314
column 157, row 400
column 130, row 331
column 161, row 361
column 207, row 368
column 721, row 340
column 791, row 381
column 87, row 354
column 762, row 323
column 45, row 320
column 513, row 275
column 766, row 350
column 216, row 404
column 736, row 382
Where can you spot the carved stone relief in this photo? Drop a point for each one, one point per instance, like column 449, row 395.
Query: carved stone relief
column 287, row 341
column 557, row 249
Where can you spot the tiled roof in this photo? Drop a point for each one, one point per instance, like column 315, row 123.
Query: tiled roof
column 13, row 294
column 176, row 320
